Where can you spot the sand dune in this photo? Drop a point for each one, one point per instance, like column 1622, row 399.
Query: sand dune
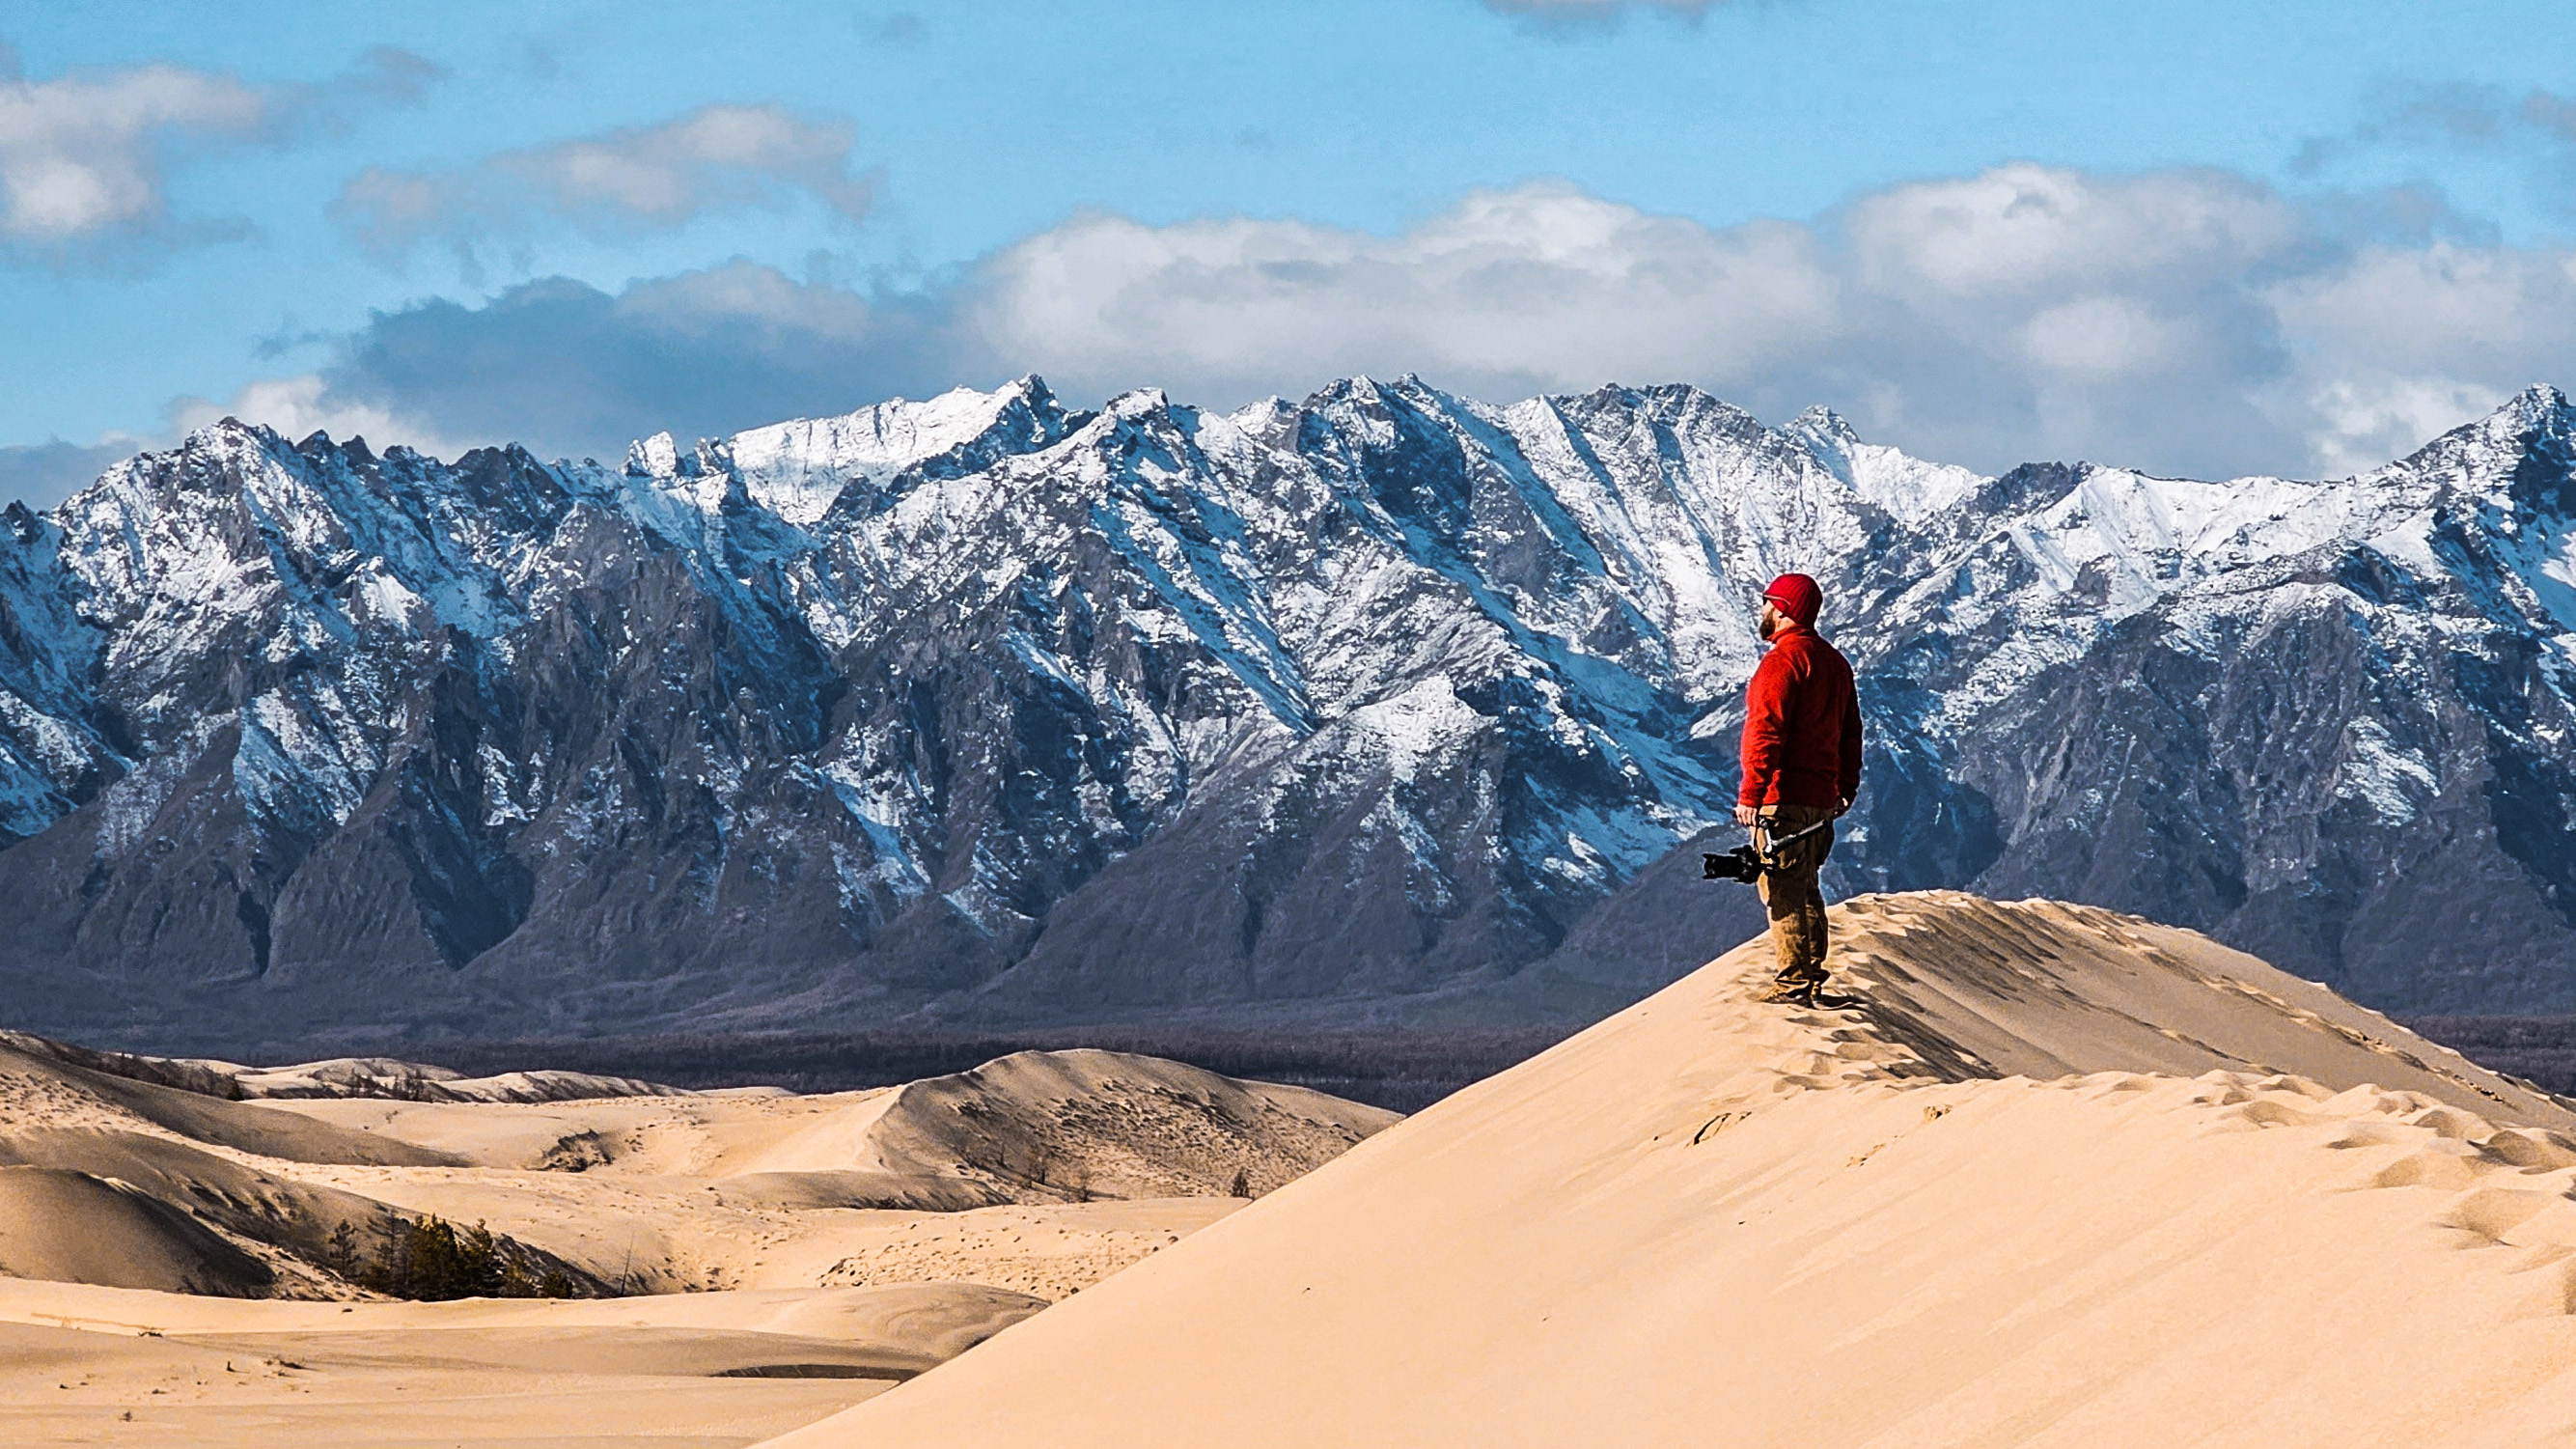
column 700, row 1190
column 284, row 1222
column 1022, row 1128
column 1048, row 1126
column 714, row 1191
column 807, row 1252
column 2067, row 1179
column 78, row 1228
column 256, row 1179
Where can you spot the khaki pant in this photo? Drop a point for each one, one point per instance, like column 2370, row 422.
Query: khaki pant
column 1796, row 903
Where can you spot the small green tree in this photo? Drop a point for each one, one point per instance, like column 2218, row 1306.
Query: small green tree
column 429, row 1260
column 340, row 1255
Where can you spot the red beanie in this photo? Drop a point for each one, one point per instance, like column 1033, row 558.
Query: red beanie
column 1798, row 597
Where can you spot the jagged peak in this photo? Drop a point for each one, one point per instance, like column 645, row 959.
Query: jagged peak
column 2541, row 399
column 1138, row 410
column 1261, row 410
column 2541, row 411
column 1912, row 489
column 962, row 403
column 226, row 439
column 655, row 457
column 513, row 453
column 799, row 468
column 1820, row 421
column 231, row 431
column 1030, row 388
column 1624, row 392
column 2538, row 406
column 1138, row 403
column 1407, row 393
column 355, row 453
column 2476, row 452
column 1359, row 388
column 1663, row 402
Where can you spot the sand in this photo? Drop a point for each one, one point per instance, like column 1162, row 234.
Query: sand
column 695, row 1369
column 778, row 1258
column 1042, row 1172
column 2067, row 1179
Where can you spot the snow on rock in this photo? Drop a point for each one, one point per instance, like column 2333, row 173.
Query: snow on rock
column 872, row 700
column 798, row 469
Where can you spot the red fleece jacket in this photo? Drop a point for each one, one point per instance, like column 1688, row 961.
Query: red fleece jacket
column 1801, row 725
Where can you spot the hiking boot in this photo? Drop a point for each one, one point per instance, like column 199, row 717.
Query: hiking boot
column 1795, row 993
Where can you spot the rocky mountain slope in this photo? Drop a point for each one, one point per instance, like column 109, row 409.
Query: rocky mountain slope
column 1383, row 701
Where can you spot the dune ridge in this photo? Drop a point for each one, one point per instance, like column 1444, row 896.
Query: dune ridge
column 2065, row 1178
column 338, row 1077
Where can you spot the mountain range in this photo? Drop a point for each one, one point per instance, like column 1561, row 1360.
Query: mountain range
column 1382, row 705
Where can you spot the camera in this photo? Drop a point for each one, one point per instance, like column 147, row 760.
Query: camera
column 1743, row 863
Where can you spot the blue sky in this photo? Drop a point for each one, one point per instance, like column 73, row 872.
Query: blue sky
column 2191, row 237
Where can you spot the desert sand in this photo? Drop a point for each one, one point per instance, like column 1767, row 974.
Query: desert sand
column 2066, row 1178
column 756, row 1260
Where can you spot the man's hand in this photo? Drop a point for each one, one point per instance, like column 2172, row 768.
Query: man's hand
column 1746, row 815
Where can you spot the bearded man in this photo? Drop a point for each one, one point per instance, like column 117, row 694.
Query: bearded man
column 1801, row 769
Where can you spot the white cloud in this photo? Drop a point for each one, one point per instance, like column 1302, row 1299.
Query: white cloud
column 2024, row 228
column 2399, row 341
column 2099, row 338
column 2361, row 424
column 618, row 183
column 2461, row 306
column 82, row 155
column 1532, row 287
column 2182, row 321
column 299, row 406
column 2189, row 321
column 79, row 154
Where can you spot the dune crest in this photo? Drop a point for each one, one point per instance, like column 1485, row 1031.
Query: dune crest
column 337, row 1077
column 2067, row 1177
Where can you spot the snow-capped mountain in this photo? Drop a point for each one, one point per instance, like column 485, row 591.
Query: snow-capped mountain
column 980, row 707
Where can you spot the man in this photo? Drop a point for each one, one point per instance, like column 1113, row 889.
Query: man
column 1801, row 768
